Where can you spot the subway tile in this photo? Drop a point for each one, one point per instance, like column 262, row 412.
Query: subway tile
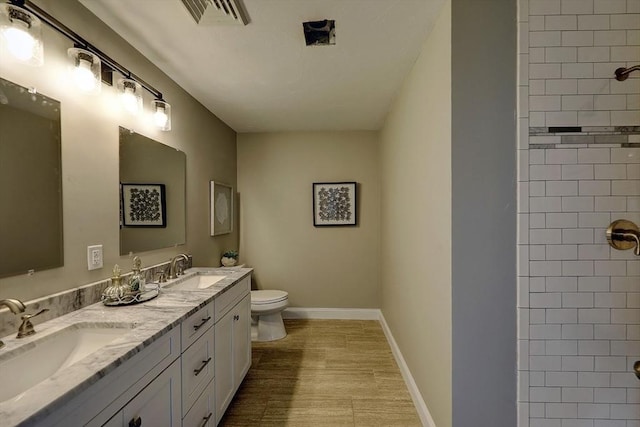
column 593, row 347
column 578, row 102
column 578, row 139
column 537, row 253
column 625, row 412
column 633, row 204
column 561, row 284
column 593, row 22
column 609, row 102
column 561, row 410
column 589, row 219
column 610, row 172
column 625, row 348
column 561, row 87
column 625, row 187
column 561, row 156
column 571, row 71
column 610, row 332
column 623, row 283
column 561, row 348
column 610, row 38
column 593, row 252
column 577, row 394
column 561, row 315
column 633, row 6
column 537, row 87
column 594, row 118
column 609, row 6
column 610, row 268
column 576, row 7
column 577, row 300
column 633, row 332
column 545, row 300
column 633, row 300
column 544, row 7
column 560, row 22
column 611, row 300
column 594, row 379
column 577, row 38
column 546, row 204
column 610, row 363
column 536, row 23
column 545, row 332
column 576, row 332
column 625, row 118
column 568, row 422
column 545, row 38
column 594, row 54
column 545, row 172
column 628, row 87
column 522, row 197
column 633, row 395
column 633, row 102
column 624, row 379
column 593, row 410
column 523, row 101
column 523, row 69
column 561, row 188
column 605, row 70
column 629, row 316
column 561, row 118
column 545, row 268
column 610, row 395
column 610, row 204
column 544, row 103
column 577, row 204
column 595, row 188
column 625, row 155
column 593, row 86
column 561, row 379
column 628, row 21
column 546, row 71
column 561, row 252
column 537, row 56
column 594, row 155
column 625, row 53
column 577, row 236
column 545, row 139
column 562, row 220
column 577, row 363
column 593, row 284
column 633, row 36
column 537, row 220
column 523, row 37
column 594, row 315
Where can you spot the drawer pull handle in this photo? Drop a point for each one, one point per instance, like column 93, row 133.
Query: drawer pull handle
column 135, row 422
column 236, row 317
column 200, row 325
column 204, row 363
column 205, row 420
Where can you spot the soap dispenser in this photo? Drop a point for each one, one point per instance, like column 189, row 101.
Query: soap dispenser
column 116, row 290
column 137, row 280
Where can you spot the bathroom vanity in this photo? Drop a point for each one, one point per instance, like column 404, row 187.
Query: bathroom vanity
column 176, row 360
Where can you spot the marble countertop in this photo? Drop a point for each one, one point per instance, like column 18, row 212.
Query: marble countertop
column 148, row 322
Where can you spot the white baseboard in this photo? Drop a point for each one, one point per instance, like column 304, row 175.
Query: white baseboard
column 416, row 396
column 369, row 314
column 331, row 313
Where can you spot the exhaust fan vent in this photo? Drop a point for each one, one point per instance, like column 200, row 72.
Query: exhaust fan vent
column 319, row 33
column 209, row 12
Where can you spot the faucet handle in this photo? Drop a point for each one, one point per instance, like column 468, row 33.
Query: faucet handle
column 161, row 277
column 26, row 328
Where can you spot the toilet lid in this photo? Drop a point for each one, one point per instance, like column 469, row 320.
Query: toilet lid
column 268, row 296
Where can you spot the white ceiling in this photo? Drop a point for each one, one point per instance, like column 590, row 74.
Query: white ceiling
column 261, row 77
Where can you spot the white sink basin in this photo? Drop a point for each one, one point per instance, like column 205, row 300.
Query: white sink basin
column 197, row 282
column 22, row 370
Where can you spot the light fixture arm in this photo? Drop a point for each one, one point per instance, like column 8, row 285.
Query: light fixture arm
column 81, row 42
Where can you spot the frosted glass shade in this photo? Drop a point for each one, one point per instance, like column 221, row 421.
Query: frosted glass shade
column 161, row 111
column 21, row 34
column 85, row 70
column 130, row 93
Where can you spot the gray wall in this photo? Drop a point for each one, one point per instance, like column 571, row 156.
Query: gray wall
column 484, row 212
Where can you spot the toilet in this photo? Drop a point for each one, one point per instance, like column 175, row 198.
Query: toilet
column 266, row 315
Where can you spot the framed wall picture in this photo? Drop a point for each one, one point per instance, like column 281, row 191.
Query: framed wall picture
column 143, row 205
column 334, row 203
column 221, row 200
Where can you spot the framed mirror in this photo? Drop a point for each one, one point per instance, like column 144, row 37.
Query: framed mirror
column 31, row 233
column 152, row 194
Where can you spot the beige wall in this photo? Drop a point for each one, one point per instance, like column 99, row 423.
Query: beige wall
column 415, row 159
column 319, row 267
column 90, row 157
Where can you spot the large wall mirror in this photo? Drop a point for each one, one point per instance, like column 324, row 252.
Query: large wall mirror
column 30, row 181
column 152, row 194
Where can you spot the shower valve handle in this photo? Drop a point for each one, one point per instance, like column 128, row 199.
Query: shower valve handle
column 623, row 235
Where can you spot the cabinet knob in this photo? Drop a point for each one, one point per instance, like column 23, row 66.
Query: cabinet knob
column 236, row 317
column 135, row 422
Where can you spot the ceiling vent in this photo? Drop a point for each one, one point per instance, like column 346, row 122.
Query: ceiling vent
column 320, row 33
column 210, row 12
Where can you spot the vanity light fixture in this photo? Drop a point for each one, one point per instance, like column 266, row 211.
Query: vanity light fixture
column 85, row 68
column 161, row 114
column 21, row 31
column 130, row 92
column 21, row 21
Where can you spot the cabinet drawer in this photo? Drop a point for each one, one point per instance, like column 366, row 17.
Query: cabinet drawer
column 202, row 413
column 196, row 325
column 227, row 300
column 197, row 369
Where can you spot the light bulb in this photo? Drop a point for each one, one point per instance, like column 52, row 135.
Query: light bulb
column 83, row 76
column 160, row 117
column 161, row 114
column 130, row 101
column 19, row 42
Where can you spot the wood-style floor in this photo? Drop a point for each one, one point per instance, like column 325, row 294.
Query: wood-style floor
column 324, row 373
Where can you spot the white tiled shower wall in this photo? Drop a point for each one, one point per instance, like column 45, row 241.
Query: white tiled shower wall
column 578, row 299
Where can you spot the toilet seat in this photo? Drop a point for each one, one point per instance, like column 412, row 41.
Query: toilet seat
column 268, row 297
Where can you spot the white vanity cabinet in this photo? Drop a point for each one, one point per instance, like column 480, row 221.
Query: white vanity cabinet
column 232, row 343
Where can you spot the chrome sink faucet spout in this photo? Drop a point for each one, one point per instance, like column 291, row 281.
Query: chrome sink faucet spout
column 174, row 271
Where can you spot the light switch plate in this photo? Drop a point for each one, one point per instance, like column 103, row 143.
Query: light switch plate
column 94, row 257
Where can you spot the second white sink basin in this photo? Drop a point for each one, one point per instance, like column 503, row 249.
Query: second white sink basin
column 197, row 282
column 22, row 369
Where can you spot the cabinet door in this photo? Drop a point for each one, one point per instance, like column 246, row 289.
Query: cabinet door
column 157, row 405
column 241, row 340
column 223, row 359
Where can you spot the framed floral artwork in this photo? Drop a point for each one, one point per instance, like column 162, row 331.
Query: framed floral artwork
column 221, row 202
column 334, row 203
column 143, row 205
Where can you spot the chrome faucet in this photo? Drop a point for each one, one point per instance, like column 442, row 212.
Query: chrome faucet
column 15, row 305
column 174, row 271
